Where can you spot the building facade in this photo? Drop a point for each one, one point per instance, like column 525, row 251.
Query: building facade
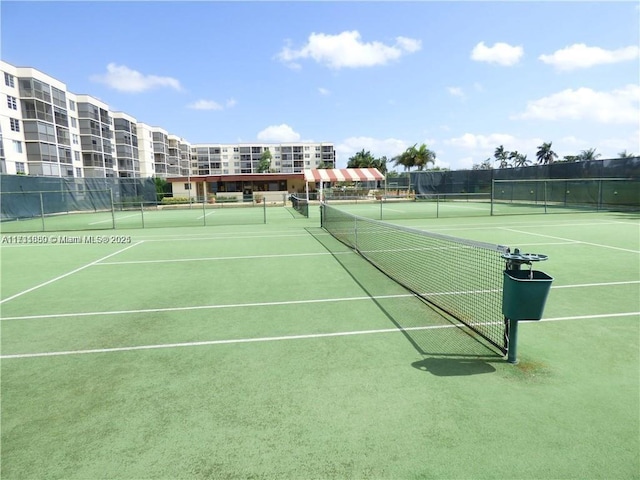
column 46, row 130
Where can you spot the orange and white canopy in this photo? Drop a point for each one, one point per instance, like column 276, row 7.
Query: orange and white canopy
column 343, row 175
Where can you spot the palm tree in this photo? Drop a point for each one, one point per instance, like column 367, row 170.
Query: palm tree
column 624, row 154
column 361, row 159
column 405, row 159
column 518, row 159
column 380, row 164
column 486, row 165
column 590, row 154
column 545, row 155
column 501, row 155
column 422, row 156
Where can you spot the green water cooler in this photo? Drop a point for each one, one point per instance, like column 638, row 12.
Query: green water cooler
column 524, row 294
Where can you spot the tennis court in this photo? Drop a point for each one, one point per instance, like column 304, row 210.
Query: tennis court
column 271, row 350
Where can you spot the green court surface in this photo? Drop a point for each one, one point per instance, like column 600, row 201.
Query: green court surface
column 273, row 351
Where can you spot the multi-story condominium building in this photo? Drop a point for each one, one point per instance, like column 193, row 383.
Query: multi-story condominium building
column 96, row 134
column 47, row 130
column 126, row 145
column 233, row 159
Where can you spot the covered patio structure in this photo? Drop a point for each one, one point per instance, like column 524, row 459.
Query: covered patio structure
column 323, row 176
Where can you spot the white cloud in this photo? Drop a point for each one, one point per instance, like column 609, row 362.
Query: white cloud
column 580, row 55
column 205, row 105
column 324, row 91
column 124, row 79
column 617, row 106
column 211, row 105
column 472, row 141
column 347, row 50
column 475, row 148
column 279, row 133
column 501, row 53
column 455, row 91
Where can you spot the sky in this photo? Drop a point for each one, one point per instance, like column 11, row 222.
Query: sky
column 461, row 77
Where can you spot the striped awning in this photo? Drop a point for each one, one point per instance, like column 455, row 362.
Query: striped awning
column 343, row 175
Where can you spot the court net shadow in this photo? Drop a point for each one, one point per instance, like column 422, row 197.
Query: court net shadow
column 431, row 332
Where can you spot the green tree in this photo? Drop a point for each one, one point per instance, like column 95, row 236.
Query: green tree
column 380, row 164
column 624, row 154
column 422, row 156
column 415, row 156
column 265, row 162
column 518, row 159
column 487, row 164
column 162, row 188
column 545, row 155
column 405, row 159
column 502, row 157
column 590, row 154
column 361, row 159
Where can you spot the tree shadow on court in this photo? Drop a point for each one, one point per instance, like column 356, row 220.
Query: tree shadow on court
column 449, row 347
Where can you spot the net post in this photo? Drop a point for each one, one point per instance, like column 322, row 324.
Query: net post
column 513, row 342
column 264, row 209
column 544, row 187
column 204, row 212
column 42, row 211
column 142, row 213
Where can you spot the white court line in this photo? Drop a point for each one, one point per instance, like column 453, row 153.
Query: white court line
column 202, row 259
column 111, row 219
column 67, row 274
column 222, row 342
column 268, row 304
column 570, row 240
column 280, row 338
column 207, row 307
column 202, row 216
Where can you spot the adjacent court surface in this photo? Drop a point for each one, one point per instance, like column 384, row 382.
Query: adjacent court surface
column 273, row 351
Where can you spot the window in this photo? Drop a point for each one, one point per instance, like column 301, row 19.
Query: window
column 59, row 98
column 20, row 166
column 17, row 146
column 74, row 138
column 76, row 157
column 9, row 80
column 15, row 124
column 74, row 122
column 72, row 105
column 12, row 103
column 78, row 172
column 187, row 186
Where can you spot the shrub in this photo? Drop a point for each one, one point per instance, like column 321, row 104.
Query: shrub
column 174, row 200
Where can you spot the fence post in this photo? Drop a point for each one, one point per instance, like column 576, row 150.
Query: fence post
column 113, row 212
column 42, row 211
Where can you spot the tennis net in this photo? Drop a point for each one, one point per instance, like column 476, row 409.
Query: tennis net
column 461, row 277
column 301, row 205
